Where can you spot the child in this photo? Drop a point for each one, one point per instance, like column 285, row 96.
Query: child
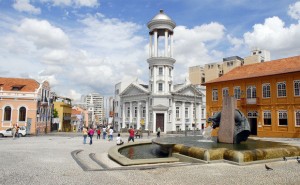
column 119, row 140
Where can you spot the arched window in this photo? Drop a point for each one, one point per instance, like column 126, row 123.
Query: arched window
column 22, row 114
column 7, row 113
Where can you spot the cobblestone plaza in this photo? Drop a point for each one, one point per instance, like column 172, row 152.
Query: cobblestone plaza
column 48, row 160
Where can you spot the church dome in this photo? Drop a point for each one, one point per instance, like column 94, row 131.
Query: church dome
column 161, row 16
column 161, row 21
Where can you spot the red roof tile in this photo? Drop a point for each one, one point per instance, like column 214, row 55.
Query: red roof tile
column 25, row 84
column 280, row 66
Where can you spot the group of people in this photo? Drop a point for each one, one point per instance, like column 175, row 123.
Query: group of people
column 109, row 131
column 90, row 132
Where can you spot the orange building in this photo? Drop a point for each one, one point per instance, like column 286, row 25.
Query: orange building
column 25, row 102
column 267, row 93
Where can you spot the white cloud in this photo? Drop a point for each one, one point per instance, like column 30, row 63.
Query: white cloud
column 274, row 36
column 42, row 34
column 191, row 46
column 235, row 42
column 294, row 10
column 25, row 6
column 76, row 3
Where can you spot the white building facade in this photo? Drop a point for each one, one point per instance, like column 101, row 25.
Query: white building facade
column 161, row 104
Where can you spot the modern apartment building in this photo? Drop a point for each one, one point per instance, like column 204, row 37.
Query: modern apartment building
column 94, row 103
column 25, row 102
column 201, row 74
column 267, row 93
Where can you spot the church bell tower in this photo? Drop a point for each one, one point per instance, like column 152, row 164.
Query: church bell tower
column 161, row 63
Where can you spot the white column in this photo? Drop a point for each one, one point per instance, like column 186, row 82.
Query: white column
column 173, row 116
column 150, row 46
column 123, row 116
column 183, row 115
column 154, row 80
column 154, row 122
column 155, row 43
column 147, row 118
column 130, row 115
column 171, row 46
column 166, row 79
column 166, row 43
column 138, row 121
column 192, row 116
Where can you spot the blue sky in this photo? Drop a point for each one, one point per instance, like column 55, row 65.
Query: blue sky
column 83, row 46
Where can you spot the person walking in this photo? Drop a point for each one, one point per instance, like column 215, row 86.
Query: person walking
column 13, row 131
column 91, row 134
column 158, row 132
column 111, row 131
column 85, row 133
column 98, row 133
column 119, row 140
column 104, row 132
column 131, row 134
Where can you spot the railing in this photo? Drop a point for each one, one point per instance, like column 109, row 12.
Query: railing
column 249, row 101
column 187, row 120
column 178, row 119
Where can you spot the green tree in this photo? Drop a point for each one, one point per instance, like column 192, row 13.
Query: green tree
column 55, row 113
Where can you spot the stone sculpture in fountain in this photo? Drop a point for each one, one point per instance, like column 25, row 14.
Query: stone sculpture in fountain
column 233, row 125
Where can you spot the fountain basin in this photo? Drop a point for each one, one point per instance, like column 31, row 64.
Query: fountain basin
column 114, row 153
column 250, row 151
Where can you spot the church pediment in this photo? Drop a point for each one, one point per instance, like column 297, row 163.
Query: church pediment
column 133, row 89
column 188, row 90
column 160, row 107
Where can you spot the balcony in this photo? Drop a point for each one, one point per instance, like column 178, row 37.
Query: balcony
column 249, row 101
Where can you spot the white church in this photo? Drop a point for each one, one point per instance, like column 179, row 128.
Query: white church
column 160, row 104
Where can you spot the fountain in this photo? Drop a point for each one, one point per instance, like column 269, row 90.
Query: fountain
column 231, row 144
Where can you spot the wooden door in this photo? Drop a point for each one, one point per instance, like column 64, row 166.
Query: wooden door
column 160, row 122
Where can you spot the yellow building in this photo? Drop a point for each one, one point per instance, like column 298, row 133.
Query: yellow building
column 64, row 109
column 267, row 93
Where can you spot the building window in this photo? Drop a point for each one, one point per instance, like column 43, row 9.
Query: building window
column 22, row 114
column 150, row 87
column 186, row 112
column 151, row 72
column 151, row 101
column 177, row 112
column 225, row 91
column 215, row 94
column 117, row 92
column 144, row 112
column 169, row 87
column 170, row 102
column 267, row 117
column 266, row 90
column 202, row 113
column 297, row 87
column 237, row 92
column 281, row 89
column 7, row 113
column 282, row 115
column 160, row 71
column 135, row 112
column 251, row 92
column 170, row 71
column 297, row 118
column 128, row 111
column 160, row 87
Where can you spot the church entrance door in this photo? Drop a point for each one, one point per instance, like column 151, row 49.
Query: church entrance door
column 160, row 122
